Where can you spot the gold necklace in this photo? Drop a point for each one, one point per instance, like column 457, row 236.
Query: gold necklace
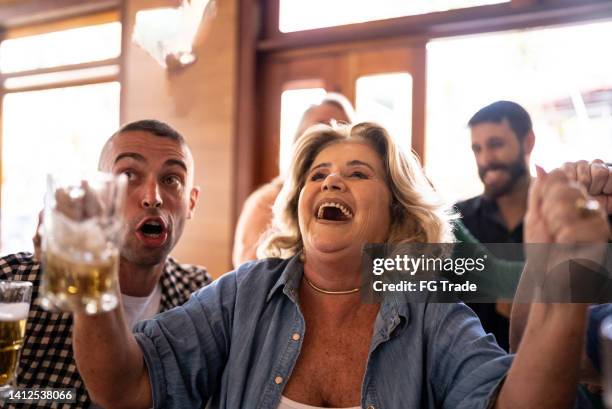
column 342, row 292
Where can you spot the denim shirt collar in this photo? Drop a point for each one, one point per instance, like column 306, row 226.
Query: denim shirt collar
column 394, row 308
column 289, row 280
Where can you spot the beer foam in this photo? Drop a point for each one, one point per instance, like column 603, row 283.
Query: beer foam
column 69, row 236
column 14, row 311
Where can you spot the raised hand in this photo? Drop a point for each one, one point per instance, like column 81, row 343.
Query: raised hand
column 595, row 176
column 560, row 209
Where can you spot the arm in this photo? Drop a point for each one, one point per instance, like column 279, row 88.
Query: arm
column 589, row 373
column 469, row 369
column 110, row 361
column 546, row 369
column 253, row 222
column 174, row 360
column 501, row 276
column 596, row 178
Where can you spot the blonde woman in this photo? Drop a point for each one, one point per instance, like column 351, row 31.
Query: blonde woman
column 256, row 215
column 291, row 331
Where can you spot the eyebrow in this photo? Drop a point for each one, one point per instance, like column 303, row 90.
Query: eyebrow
column 176, row 162
column 138, row 157
column 321, row 165
column 360, row 163
column 349, row 163
column 133, row 155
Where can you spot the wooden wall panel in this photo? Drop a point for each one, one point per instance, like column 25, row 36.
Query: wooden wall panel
column 200, row 102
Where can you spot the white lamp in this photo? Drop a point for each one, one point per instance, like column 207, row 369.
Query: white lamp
column 167, row 34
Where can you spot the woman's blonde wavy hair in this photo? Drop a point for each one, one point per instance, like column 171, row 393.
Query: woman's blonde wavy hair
column 418, row 215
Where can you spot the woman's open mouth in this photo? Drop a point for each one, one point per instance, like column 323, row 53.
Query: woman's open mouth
column 334, row 210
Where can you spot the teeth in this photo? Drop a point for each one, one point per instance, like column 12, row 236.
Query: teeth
column 343, row 209
column 154, row 223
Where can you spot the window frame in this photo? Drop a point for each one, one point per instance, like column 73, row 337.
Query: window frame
column 93, row 18
column 515, row 14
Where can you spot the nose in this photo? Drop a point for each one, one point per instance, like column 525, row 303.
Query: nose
column 333, row 181
column 485, row 158
column 151, row 196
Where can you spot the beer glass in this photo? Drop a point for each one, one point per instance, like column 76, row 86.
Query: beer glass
column 81, row 233
column 14, row 307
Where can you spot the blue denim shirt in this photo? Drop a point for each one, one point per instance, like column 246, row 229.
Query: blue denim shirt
column 234, row 343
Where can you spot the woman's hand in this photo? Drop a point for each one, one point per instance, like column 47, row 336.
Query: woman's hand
column 565, row 235
column 595, row 176
column 560, row 209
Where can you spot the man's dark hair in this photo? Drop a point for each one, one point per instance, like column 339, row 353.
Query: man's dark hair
column 153, row 126
column 517, row 117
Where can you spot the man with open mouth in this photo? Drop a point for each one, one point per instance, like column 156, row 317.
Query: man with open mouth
column 160, row 196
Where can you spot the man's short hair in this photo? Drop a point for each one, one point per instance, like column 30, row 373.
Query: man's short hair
column 517, row 117
column 153, row 126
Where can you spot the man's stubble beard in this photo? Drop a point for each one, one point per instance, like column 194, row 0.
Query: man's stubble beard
column 516, row 169
column 144, row 257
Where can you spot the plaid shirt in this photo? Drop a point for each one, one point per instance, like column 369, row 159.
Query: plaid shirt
column 46, row 358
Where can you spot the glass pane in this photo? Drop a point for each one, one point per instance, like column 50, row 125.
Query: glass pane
column 305, row 15
column 69, row 130
column 387, row 100
column 293, row 104
column 566, row 89
column 74, row 46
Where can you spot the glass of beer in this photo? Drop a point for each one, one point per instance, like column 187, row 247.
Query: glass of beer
column 14, row 307
column 81, row 233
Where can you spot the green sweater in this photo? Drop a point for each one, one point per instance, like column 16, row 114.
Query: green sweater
column 506, row 274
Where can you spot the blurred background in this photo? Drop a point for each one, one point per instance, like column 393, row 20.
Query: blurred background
column 234, row 76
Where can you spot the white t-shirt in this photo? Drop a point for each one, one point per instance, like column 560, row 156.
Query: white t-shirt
column 287, row 403
column 141, row 308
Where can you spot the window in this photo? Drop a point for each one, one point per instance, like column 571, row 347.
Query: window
column 382, row 98
column 293, row 104
column 305, row 15
column 73, row 46
column 54, row 117
column 560, row 75
column 387, row 99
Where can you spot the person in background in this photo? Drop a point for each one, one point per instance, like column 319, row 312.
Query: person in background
column 256, row 214
column 502, row 141
column 160, row 197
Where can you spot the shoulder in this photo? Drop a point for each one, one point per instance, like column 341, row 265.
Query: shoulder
column 469, row 206
column 264, row 196
column 251, row 280
column 268, row 270
column 192, row 275
column 19, row 266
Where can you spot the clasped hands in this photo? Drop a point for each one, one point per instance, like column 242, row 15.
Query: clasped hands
column 566, row 228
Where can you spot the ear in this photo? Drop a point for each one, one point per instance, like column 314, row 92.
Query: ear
column 193, row 199
column 529, row 142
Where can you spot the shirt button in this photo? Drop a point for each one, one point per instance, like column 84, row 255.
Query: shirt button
column 278, row 380
column 295, row 337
